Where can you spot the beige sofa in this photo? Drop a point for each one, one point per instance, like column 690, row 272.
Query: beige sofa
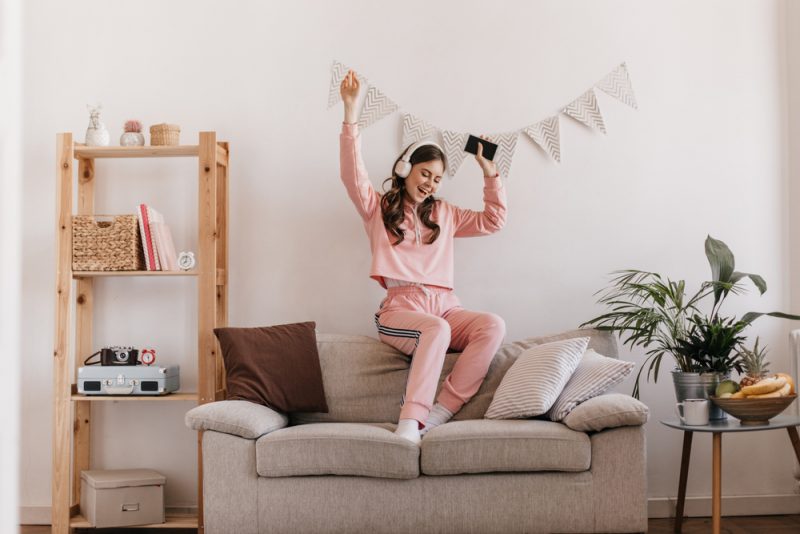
column 346, row 471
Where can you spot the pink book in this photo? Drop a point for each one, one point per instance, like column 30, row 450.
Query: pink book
column 163, row 241
column 150, row 259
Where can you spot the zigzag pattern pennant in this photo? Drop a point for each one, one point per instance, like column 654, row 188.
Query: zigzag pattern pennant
column 454, row 143
column 416, row 129
column 586, row 110
column 376, row 106
column 338, row 71
column 618, row 84
column 506, row 144
column 546, row 134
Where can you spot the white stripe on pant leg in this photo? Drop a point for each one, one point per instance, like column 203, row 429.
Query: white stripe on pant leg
column 399, row 332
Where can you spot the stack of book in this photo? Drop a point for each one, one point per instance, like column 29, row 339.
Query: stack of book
column 159, row 250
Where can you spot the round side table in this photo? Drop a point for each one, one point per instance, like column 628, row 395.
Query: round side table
column 717, row 428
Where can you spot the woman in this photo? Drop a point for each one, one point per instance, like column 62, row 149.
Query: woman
column 411, row 236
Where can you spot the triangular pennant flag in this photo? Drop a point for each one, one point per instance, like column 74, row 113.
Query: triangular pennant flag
column 586, row 110
column 416, row 129
column 376, row 106
column 454, row 143
column 338, row 72
column 546, row 134
column 506, row 144
column 618, row 84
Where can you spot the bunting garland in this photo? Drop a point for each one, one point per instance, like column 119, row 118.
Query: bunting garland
column 618, row 84
column 376, row 106
column 585, row 109
column 506, row 144
column 454, row 144
column 415, row 129
column 545, row 133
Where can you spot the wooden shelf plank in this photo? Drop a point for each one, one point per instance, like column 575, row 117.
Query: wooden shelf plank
column 83, row 151
column 129, row 398
column 172, row 521
column 90, row 274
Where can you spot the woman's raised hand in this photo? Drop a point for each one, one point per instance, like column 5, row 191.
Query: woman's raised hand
column 488, row 166
column 349, row 91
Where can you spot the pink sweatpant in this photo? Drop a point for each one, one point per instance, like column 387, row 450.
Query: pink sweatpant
column 424, row 324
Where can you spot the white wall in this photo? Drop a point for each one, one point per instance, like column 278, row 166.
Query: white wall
column 11, row 247
column 706, row 153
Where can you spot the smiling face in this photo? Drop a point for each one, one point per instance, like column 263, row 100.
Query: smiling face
column 423, row 181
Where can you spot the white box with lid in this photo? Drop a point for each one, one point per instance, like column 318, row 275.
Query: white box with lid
column 122, row 497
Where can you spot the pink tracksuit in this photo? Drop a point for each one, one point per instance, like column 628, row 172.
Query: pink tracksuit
column 424, row 318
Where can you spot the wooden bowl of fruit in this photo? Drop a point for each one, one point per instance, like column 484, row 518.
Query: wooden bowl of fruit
column 757, row 403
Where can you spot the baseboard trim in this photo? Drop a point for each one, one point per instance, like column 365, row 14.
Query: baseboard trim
column 658, row 507
column 731, row 506
column 40, row 515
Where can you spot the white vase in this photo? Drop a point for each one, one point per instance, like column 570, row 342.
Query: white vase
column 97, row 136
column 131, row 139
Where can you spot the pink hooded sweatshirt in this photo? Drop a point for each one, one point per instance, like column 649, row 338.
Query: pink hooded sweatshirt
column 414, row 260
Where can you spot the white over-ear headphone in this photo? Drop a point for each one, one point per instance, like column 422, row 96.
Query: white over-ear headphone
column 403, row 167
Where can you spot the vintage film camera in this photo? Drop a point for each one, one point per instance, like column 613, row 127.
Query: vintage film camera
column 115, row 356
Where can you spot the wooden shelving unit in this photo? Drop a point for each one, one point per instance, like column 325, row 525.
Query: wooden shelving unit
column 72, row 413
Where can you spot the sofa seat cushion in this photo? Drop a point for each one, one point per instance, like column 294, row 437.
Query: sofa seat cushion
column 355, row 449
column 489, row 446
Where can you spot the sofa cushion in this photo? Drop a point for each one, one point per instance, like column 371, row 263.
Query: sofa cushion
column 533, row 383
column 602, row 342
column 364, row 380
column 276, row 366
column 488, row 446
column 595, row 375
column 337, row 449
column 607, row 411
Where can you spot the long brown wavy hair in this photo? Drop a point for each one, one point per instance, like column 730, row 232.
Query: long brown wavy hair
column 393, row 200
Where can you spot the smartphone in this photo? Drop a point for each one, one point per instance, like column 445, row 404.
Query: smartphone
column 489, row 148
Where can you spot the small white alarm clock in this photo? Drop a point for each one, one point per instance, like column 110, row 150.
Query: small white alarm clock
column 186, row 260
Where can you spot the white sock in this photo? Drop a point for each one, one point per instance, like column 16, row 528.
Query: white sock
column 409, row 429
column 438, row 415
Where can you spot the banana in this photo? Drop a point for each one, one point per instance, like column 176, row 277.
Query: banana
column 772, row 395
column 789, row 380
column 738, row 395
column 767, row 385
column 785, row 390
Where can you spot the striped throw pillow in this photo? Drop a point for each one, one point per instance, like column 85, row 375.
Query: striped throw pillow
column 595, row 374
column 532, row 384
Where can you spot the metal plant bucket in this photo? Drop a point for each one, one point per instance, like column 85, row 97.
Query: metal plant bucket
column 699, row 386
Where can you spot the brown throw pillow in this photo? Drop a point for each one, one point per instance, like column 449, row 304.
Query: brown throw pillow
column 277, row 366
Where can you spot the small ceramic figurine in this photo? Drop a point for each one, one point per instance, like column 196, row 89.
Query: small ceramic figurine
column 133, row 134
column 96, row 133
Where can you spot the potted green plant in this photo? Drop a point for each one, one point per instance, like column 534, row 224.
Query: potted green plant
column 655, row 312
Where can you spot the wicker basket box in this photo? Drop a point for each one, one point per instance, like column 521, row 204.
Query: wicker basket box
column 99, row 245
column 165, row 134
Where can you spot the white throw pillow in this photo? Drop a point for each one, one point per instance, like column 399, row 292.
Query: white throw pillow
column 532, row 384
column 595, row 375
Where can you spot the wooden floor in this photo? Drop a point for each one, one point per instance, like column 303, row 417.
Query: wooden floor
column 764, row 524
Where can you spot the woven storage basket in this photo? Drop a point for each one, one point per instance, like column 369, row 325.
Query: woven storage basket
column 164, row 134
column 106, row 245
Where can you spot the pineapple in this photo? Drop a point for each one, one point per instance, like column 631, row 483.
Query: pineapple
column 754, row 365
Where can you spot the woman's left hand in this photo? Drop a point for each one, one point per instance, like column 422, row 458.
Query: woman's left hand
column 488, row 166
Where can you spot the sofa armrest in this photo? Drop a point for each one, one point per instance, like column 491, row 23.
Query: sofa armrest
column 607, row 411
column 240, row 418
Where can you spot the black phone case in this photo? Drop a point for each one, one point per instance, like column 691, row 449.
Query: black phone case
column 489, row 148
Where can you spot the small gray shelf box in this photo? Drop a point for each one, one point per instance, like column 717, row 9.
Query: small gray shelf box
column 122, row 497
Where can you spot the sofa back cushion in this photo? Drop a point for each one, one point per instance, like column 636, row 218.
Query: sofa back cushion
column 365, row 379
